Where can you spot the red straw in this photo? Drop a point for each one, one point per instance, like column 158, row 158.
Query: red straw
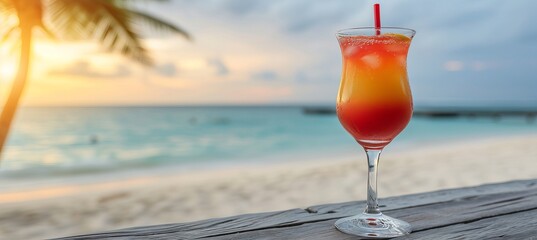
column 376, row 8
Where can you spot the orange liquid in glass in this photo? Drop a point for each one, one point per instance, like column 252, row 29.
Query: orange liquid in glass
column 374, row 102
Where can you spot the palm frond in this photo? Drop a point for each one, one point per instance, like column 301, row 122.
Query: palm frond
column 5, row 5
column 7, row 23
column 67, row 19
column 7, row 10
column 126, row 3
column 7, row 34
column 157, row 23
column 102, row 20
column 111, row 22
column 119, row 34
column 47, row 31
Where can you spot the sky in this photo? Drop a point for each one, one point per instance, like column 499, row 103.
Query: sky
column 285, row 52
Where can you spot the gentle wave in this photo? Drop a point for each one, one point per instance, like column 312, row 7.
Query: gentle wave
column 65, row 142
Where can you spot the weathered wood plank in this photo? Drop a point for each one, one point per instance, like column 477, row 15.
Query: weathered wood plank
column 431, row 197
column 423, row 218
column 425, row 211
column 519, row 225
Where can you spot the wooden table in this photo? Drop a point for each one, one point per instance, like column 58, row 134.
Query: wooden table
column 493, row 211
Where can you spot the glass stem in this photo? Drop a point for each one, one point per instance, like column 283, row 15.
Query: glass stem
column 372, row 168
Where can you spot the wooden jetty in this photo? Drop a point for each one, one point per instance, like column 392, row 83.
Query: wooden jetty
column 318, row 111
column 530, row 114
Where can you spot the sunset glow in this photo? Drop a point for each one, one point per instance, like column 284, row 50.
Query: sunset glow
column 294, row 60
column 119, row 114
column 7, row 70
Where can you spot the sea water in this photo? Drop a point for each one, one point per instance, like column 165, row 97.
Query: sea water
column 64, row 142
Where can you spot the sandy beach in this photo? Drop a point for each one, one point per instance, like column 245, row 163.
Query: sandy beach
column 75, row 209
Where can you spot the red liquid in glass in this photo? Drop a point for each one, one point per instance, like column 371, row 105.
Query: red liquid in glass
column 374, row 101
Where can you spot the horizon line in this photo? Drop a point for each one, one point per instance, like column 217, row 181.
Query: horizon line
column 442, row 104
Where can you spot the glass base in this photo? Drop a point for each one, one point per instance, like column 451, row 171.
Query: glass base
column 373, row 226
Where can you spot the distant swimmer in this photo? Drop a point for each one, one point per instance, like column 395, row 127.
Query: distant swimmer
column 530, row 118
column 193, row 120
column 94, row 139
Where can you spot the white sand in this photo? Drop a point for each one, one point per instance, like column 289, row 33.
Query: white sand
column 68, row 210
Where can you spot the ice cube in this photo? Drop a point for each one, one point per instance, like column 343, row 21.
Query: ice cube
column 372, row 60
column 402, row 60
column 350, row 51
column 395, row 48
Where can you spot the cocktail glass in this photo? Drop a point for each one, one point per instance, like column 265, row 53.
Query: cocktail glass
column 374, row 105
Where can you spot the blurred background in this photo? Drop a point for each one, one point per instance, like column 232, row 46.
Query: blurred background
column 232, row 87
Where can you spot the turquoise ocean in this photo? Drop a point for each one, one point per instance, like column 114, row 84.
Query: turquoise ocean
column 65, row 142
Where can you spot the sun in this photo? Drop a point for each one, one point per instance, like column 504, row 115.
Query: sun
column 7, row 70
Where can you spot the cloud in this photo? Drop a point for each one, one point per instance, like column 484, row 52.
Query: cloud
column 218, row 66
column 453, row 66
column 166, row 69
column 237, row 8
column 301, row 77
column 302, row 16
column 241, row 7
column 84, row 69
column 478, row 66
column 265, row 75
column 457, row 66
column 481, row 42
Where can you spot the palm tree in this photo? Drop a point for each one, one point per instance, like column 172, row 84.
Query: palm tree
column 111, row 22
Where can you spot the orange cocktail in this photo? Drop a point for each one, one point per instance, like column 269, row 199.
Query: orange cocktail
column 374, row 103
